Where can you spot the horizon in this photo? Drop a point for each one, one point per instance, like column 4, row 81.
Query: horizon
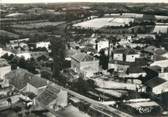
column 78, row 1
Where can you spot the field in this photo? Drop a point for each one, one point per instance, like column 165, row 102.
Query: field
column 4, row 33
column 98, row 23
column 36, row 25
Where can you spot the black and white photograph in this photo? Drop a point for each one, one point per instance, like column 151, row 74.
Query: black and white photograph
column 83, row 58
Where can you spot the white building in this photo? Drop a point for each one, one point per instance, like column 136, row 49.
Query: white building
column 26, row 55
column 128, row 55
column 162, row 88
column 102, row 44
column 43, row 45
column 53, row 98
column 3, row 52
column 163, row 64
column 4, row 68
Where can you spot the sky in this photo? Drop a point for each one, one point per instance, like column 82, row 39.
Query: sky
column 59, row 1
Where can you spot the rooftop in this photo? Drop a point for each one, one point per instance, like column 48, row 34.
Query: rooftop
column 20, row 77
column 150, row 49
column 161, row 63
column 155, row 82
column 162, row 88
column 81, row 57
column 142, row 104
column 127, row 51
column 48, row 95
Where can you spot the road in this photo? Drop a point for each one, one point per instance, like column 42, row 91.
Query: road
column 96, row 103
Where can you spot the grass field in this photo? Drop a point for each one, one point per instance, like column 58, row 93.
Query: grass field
column 36, row 25
column 98, row 23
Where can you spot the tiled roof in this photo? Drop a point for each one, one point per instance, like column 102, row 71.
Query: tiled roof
column 161, row 63
column 71, row 52
column 135, row 69
column 158, row 58
column 160, row 51
column 154, row 50
column 150, row 49
column 48, row 95
column 119, row 62
column 155, row 82
column 37, row 81
column 20, row 77
column 126, row 51
column 155, row 68
column 119, row 50
column 82, row 57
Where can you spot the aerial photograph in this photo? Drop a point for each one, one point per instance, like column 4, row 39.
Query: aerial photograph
column 88, row 58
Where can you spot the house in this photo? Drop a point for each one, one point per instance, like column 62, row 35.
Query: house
column 151, row 85
column 25, row 81
column 135, row 69
column 25, row 55
column 154, row 53
column 149, row 51
column 119, row 66
column 131, row 55
column 53, row 98
column 162, row 88
column 123, row 54
column 118, row 54
column 158, row 71
column 163, row 64
column 70, row 52
column 3, row 52
column 4, row 68
column 43, row 45
column 84, row 63
column 165, row 55
column 5, row 91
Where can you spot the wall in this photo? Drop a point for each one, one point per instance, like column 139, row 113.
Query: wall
column 30, row 88
column 4, row 70
column 75, row 65
column 117, row 67
column 89, row 67
column 118, row 56
column 132, row 57
column 102, row 45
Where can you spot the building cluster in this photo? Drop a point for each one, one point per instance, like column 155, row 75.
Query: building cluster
column 115, row 64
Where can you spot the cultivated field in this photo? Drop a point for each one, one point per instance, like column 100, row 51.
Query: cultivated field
column 4, row 33
column 36, row 25
column 98, row 23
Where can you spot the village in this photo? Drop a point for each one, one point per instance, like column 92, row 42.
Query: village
column 83, row 60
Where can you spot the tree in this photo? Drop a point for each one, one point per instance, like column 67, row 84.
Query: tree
column 9, row 100
column 103, row 60
column 22, row 62
column 46, row 74
column 58, row 53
